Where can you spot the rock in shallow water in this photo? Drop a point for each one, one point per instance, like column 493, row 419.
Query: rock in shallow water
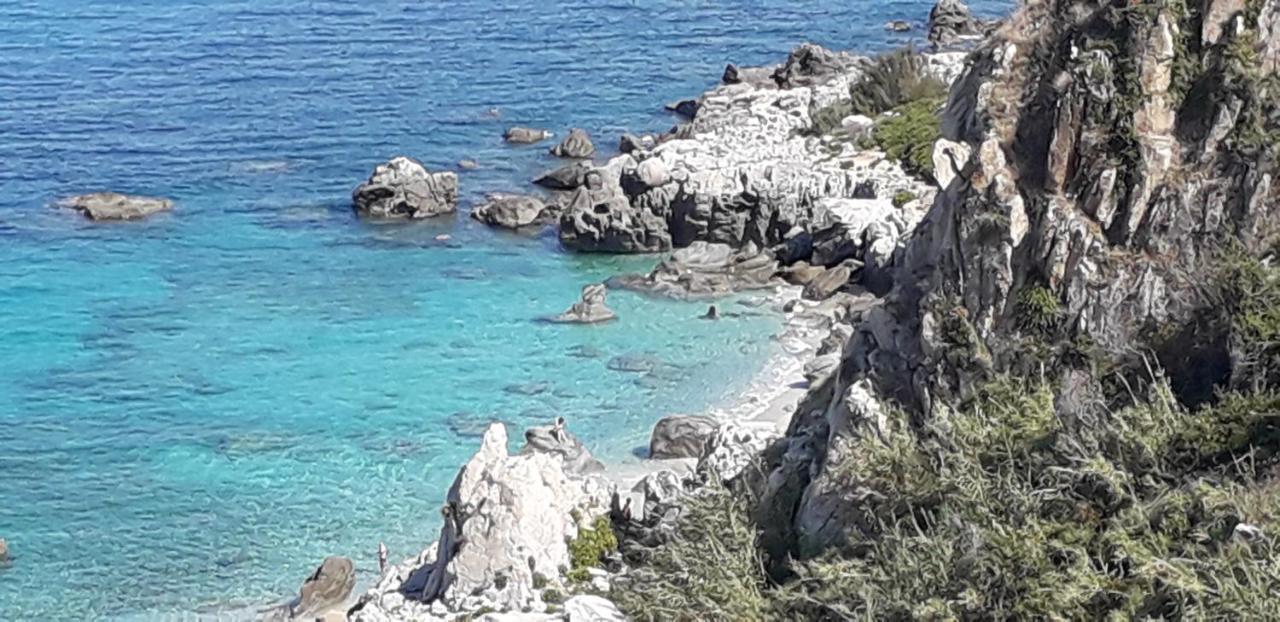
column 511, row 211
column 323, row 595
column 576, row 145
column 403, row 188
column 525, row 135
column 116, row 206
column 680, row 436
column 591, row 309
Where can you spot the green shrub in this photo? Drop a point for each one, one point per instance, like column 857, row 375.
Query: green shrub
column 894, row 79
column 902, row 197
column 1042, row 517
column 709, row 570
column 908, row 135
column 589, row 548
column 1038, row 310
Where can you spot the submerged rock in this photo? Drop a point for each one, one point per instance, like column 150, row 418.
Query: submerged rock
column 323, row 595
column 403, row 188
column 591, row 309
column 511, row 211
column 680, row 436
column 116, row 206
column 525, row 135
column 555, row 439
column 576, row 145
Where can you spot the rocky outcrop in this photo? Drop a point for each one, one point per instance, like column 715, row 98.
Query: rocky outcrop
column 745, row 169
column 403, row 188
column 116, row 206
column 323, row 595
column 507, row 524
column 576, row 145
column 556, row 440
column 951, row 22
column 811, row 64
column 1110, row 214
column 680, row 436
column 590, row 309
column 510, row 211
column 703, row 270
column 525, row 135
column 734, row 447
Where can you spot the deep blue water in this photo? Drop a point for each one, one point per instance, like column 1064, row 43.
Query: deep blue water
column 196, row 409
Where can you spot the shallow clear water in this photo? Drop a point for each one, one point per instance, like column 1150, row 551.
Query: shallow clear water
column 196, row 409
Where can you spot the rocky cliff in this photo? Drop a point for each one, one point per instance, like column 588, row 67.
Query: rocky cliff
column 1116, row 156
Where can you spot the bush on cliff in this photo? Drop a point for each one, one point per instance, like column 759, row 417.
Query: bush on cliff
column 1027, row 514
column 908, row 135
column 709, row 570
column 892, row 80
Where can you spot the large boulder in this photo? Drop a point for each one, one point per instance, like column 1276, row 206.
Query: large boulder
column 511, row 211
column 591, row 309
column 525, row 135
column 403, row 188
column 576, row 145
column 703, row 270
column 323, row 595
column 680, row 436
column 556, row 440
column 116, row 206
column 825, row 285
column 568, row 177
column 508, row 520
column 951, row 21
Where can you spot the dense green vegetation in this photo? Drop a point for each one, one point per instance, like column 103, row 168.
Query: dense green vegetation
column 1011, row 506
column 908, row 135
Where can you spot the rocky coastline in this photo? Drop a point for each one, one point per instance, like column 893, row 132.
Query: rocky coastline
column 748, row 201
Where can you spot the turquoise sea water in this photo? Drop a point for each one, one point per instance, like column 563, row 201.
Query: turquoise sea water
column 196, row 409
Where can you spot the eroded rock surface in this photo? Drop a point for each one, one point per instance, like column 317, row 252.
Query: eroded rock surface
column 403, row 188
column 590, row 309
column 508, row 520
column 510, row 211
column 680, row 436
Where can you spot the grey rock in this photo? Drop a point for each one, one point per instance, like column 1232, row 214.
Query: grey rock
column 631, row 143
column 828, row 283
column 591, row 309
column 568, row 177
column 403, row 188
column 511, row 211
column 810, row 64
column 801, row 273
column 687, row 108
column 323, row 595
column 732, row 448
column 599, row 218
column 703, row 270
column 468, row 165
column 898, row 25
column 555, row 439
column 4, row 550
column 576, row 145
column 116, row 206
column 680, row 436
column 951, row 21
column 525, row 135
